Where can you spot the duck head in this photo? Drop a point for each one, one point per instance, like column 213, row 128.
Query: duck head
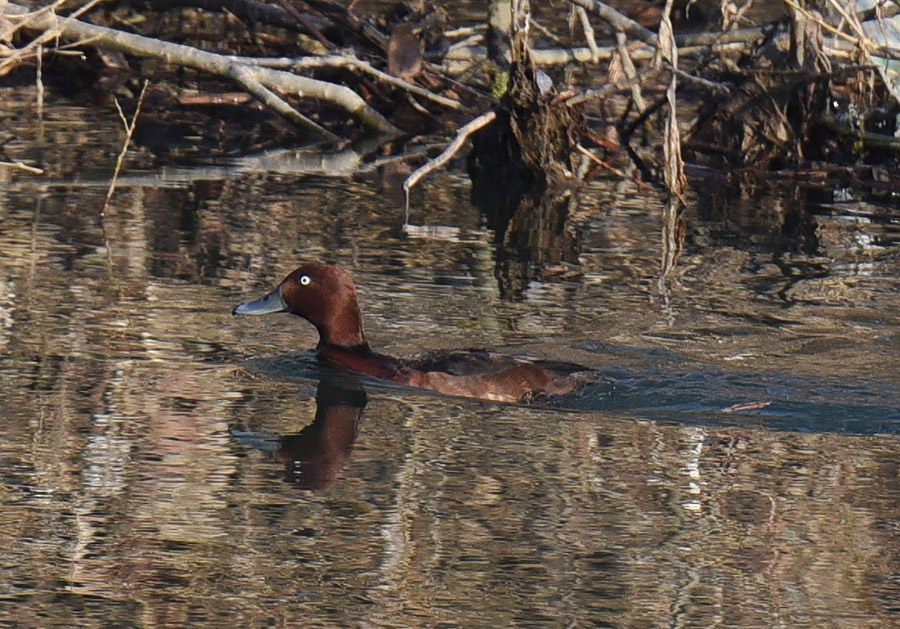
column 322, row 294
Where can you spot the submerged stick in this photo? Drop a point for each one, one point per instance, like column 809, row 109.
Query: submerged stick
column 22, row 166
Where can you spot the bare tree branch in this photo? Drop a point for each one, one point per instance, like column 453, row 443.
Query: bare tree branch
column 617, row 20
column 461, row 136
column 353, row 63
column 259, row 81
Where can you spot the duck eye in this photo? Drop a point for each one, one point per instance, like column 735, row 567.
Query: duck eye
column 304, row 280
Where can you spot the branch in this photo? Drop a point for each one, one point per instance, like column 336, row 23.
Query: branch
column 617, row 20
column 258, row 81
column 461, row 136
column 352, row 63
column 554, row 56
column 342, row 16
column 129, row 131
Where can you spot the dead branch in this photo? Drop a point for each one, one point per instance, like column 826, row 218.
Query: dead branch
column 611, row 88
column 344, row 17
column 588, row 33
column 301, row 19
column 674, row 165
column 259, row 81
column 617, row 20
column 129, row 131
column 461, row 136
column 247, row 11
column 352, row 63
column 554, row 56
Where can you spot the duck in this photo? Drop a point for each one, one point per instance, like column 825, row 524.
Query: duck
column 326, row 297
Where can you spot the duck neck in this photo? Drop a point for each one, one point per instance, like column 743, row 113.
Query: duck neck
column 328, row 346
column 360, row 359
column 350, row 338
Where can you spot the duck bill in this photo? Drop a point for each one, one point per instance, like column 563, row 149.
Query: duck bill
column 273, row 302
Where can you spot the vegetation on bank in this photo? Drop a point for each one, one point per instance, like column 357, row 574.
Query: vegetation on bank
column 784, row 86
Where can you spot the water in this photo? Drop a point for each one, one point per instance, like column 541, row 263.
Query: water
column 166, row 464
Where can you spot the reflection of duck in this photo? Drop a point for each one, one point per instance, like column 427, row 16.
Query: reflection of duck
column 314, row 457
column 325, row 296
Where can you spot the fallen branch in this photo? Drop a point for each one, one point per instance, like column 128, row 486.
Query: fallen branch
column 554, row 56
column 353, row 63
column 259, row 81
column 612, row 88
column 247, row 11
column 673, row 163
column 7, row 28
column 461, row 136
column 600, row 162
column 344, row 17
column 301, row 19
column 588, row 33
column 129, row 131
column 617, row 20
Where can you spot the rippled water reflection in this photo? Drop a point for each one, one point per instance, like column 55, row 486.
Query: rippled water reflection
column 164, row 464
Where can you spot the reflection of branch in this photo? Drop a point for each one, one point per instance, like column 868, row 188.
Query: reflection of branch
column 22, row 166
column 129, row 131
column 259, row 81
column 357, row 158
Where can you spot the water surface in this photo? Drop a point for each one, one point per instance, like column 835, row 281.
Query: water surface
column 149, row 441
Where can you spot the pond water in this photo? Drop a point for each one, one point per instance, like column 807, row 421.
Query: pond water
column 166, row 464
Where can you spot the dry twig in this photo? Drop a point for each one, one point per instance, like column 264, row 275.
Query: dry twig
column 461, row 136
column 588, row 33
column 129, row 131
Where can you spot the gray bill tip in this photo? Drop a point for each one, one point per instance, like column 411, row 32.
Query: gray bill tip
column 273, row 302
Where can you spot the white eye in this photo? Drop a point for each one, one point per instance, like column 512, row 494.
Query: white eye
column 304, row 280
